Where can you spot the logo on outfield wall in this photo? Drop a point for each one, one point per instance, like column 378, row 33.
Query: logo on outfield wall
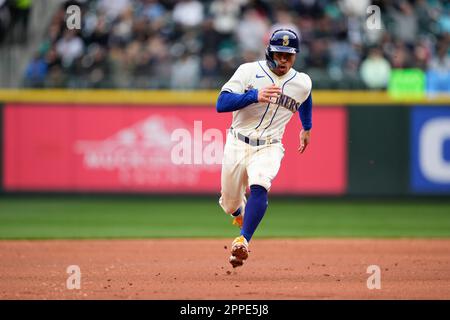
column 142, row 153
column 430, row 149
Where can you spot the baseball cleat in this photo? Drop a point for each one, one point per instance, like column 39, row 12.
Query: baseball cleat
column 239, row 251
column 238, row 221
column 235, row 262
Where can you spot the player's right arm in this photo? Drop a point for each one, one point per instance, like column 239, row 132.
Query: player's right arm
column 229, row 101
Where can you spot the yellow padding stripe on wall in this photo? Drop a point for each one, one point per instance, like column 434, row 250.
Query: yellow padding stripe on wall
column 206, row 97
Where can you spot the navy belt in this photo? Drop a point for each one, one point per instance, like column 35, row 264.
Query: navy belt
column 252, row 142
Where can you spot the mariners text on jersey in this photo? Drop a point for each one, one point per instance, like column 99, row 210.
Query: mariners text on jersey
column 288, row 103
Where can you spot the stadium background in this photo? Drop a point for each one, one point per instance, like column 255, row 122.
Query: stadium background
column 86, row 118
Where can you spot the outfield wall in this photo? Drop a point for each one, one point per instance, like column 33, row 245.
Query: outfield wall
column 363, row 143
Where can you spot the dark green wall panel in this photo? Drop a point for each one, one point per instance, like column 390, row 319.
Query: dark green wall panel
column 378, row 150
column 1, row 146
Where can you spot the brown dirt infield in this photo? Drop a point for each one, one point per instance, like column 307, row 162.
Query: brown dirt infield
column 198, row 269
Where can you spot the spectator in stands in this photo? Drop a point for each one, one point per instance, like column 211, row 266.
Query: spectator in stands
column 225, row 15
column 425, row 13
column 442, row 11
column 160, row 61
column 340, row 53
column 121, row 32
column 252, row 32
column 113, row 8
column 211, row 38
column 438, row 75
column 56, row 78
column 155, row 13
column 20, row 13
column 421, row 55
column 36, row 72
column 405, row 20
column 209, row 72
column 308, row 8
column 153, row 10
column 188, row 13
column 120, row 71
column 318, row 56
column 100, row 34
column 141, row 29
column 375, row 70
column 306, row 25
column 400, row 57
column 351, row 78
column 161, row 72
column 69, row 47
column 52, row 58
column 284, row 20
column 355, row 8
column 96, row 67
column 185, row 72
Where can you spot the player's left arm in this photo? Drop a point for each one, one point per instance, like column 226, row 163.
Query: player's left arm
column 305, row 112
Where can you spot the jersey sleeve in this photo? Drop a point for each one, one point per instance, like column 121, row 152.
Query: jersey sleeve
column 238, row 82
column 305, row 110
column 305, row 113
column 307, row 85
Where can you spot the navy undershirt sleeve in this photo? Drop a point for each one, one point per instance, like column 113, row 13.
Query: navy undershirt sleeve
column 305, row 113
column 229, row 101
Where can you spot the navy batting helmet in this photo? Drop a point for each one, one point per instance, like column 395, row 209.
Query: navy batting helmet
column 282, row 40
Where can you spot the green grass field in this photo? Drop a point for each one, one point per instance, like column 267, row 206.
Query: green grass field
column 90, row 217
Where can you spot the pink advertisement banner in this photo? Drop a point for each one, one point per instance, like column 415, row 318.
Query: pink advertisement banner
column 128, row 148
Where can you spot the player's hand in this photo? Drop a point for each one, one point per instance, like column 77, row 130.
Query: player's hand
column 269, row 94
column 305, row 137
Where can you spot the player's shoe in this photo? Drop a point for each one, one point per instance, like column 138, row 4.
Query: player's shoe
column 239, row 251
column 239, row 221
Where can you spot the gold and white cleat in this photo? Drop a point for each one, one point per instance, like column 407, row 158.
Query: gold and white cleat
column 239, row 251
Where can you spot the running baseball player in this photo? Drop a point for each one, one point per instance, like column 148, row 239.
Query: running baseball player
column 263, row 96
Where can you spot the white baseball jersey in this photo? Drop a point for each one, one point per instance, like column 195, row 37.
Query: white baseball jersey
column 267, row 120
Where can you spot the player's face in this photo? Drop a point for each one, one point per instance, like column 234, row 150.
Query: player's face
column 285, row 61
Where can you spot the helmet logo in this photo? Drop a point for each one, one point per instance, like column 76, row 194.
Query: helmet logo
column 285, row 40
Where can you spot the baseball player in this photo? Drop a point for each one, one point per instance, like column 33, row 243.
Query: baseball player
column 263, row 96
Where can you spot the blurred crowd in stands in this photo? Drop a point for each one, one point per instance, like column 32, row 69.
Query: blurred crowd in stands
column 14, row 16
column 191, row 44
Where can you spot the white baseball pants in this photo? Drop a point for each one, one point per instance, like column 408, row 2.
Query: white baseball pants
column 244, row 165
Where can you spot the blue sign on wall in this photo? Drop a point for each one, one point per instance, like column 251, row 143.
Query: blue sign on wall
column 430, row 149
